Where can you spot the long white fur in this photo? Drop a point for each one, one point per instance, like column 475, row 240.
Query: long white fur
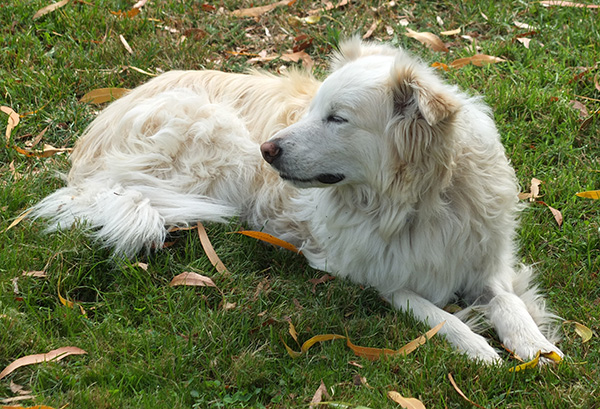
column 426, row 211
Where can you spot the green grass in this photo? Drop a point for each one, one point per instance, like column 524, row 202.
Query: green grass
column 155, row 346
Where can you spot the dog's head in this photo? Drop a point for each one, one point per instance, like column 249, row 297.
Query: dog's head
column 382, row 119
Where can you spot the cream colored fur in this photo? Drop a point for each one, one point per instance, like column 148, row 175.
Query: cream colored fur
column 395, row 180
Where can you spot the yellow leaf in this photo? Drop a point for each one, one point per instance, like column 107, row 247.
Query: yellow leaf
column 415, row 343
column 406, row 403
column 269, row 239
column 209, row 250
column 192, row 279
column 48, row 9
column 102, row 95
column 68, row 303
column 440, row 66
column 478, row 59
column 54, row 355
column 584, row 332
column 590, row 194
column 429, row 39
column 553, row 356
column 320, row 338
column 451, row 32
column 527, row 365
column 292, row 331
column 18, row 220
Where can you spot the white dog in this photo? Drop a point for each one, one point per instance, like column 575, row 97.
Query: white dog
column 382, row 174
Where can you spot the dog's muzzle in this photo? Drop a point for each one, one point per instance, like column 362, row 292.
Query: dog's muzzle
column 271, row 152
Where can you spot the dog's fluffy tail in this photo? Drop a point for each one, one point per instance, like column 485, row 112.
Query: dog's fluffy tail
column 127, row 219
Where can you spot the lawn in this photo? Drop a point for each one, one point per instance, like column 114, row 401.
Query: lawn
column 152, row 345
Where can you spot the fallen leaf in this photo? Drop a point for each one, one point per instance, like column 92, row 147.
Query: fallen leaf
column 15, row 388
column 318, row 396
column 524, row 26
column 371, row 29
column 406, row 403
column 440, row 66
column 568, row 4
column 478, row 60
column 68, row 303
column 583, row 112
column 527, row 365
column 373, row 354
column 229, row 305
column 40, row 274
column 125, row 43
column 292, row 330
column 20, row 398
column 307, row 61
column 54, row 355
column 552, row 356
column 259, row 11
column 323, row 279
column 584, row 332
column 269, row 239
column 192, row 279
column 13, row 121
column 534, row 191
column 143, row 266
column 525, row 41
column 328, row 6
column 590, row 194
column 555, row 212
column 451, row 32
column 308, row 344
column 18, row 220
column 460, row 392
column 428, row 39
column 209, row 250
column 48, row 9
column 102, row 95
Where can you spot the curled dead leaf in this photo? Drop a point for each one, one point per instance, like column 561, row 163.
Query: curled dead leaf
column 260, row 10
column 192, row 279
column 461, row 393
column 478, row 60
column 568, row 4
column 48, row 9
column 54, row 355
column 428, row 39
column 318, row 396
column 209, row 250
column 584, row 332
column 13, row 121
column 406, row 403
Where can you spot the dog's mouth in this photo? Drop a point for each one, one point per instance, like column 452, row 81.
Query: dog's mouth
column 325, row 178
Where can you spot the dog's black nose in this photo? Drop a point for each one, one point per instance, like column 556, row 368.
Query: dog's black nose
column 270, row 151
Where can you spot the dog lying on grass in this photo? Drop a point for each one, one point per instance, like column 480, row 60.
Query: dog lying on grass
column 382, row 174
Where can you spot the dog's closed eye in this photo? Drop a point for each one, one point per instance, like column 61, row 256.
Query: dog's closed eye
column 336, row 119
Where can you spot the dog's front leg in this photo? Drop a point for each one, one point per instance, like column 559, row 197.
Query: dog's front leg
column 515, row 325
column 456, row 332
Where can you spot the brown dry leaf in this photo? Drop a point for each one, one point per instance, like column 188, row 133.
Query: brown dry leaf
column 125, row 43
column 209, row 250
column 534, row 191
column 478, row 60
column 555, row 212
column 126, row 14
column 524, row 26
column 102, row 95
column 20, row 398
column 318, row 396
column 143, row 266
column 371, row 29
column 590, row 194
column 568, row 4
column 428, row 39
column 525, row 41
column 259, row 11
column 39, row 137
column 406, row 403
column 307, row 62
column 320, row 280
column 40, row 274
column 583, row 112
column 54, row 355
column 13, row 121
column 48, row 9
column 457, row 389
column 192, row 279
column 269, row 239
column 18, row 389
column 229, row 305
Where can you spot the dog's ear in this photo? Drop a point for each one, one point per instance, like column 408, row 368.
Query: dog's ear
column 354, row 48
column 413, row 83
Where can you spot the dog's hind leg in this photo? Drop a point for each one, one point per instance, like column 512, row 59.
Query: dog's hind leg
column 456, row 332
